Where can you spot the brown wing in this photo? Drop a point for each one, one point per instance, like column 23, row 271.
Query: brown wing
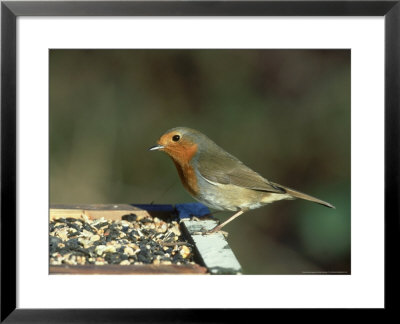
column 226, row 169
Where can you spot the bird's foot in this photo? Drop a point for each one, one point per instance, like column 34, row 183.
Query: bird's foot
column 215, row 230
column 205, row 232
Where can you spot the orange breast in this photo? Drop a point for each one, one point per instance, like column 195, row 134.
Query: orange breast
column 182, row 155
column 188, row 177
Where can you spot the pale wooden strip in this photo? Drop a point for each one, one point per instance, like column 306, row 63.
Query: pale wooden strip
column 109, row 211
column 64, row 213
column 93, row 214
column 114, row 269
column 213, row 249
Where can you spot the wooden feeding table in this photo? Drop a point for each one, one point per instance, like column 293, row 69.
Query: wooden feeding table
column 136, row 239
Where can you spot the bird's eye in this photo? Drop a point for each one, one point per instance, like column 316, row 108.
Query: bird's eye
column 176, row 138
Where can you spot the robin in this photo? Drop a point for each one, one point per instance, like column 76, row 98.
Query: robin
column 218, row 179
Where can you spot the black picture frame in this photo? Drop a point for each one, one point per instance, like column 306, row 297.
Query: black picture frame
column 10, row 10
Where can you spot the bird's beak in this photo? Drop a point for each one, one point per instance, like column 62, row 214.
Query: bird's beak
column 156, row 147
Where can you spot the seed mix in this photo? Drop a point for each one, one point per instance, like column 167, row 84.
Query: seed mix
column 131, row 240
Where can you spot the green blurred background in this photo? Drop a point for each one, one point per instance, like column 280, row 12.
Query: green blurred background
column 284, row 113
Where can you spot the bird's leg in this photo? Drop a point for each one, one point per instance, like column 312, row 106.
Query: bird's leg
column 217, row 228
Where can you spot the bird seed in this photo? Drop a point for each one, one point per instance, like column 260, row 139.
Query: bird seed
column 124, row 242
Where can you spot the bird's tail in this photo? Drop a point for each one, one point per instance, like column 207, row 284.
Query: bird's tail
column 297, row 194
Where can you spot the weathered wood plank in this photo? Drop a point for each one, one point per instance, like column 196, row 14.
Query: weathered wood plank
column 109, row 211
column 108, row 269
column 213, row 249
column 130, row 207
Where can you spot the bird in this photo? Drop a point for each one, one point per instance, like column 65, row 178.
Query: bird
column 218, row 179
